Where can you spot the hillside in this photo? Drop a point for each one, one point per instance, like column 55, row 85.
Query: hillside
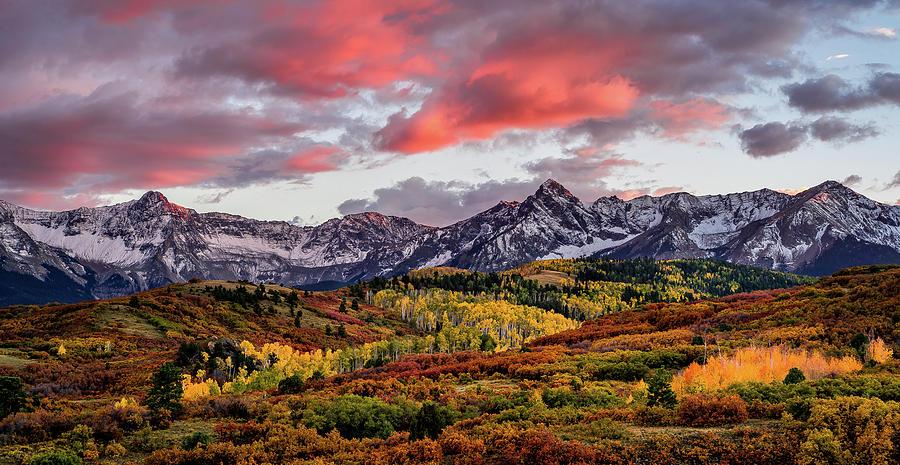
column 447, row 370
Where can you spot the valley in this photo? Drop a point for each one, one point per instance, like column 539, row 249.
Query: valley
column 566, row 361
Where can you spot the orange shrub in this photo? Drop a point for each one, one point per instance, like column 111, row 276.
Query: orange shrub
column 710, row 410
column 762, row 364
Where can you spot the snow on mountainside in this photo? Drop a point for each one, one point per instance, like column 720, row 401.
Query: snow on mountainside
column 123, row 248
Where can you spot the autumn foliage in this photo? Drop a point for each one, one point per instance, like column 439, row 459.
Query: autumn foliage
column 762, row 364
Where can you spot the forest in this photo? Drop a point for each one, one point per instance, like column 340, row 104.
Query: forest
column 557, row 361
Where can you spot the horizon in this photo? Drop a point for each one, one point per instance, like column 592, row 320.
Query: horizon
column 434, row 109
column 791, row 193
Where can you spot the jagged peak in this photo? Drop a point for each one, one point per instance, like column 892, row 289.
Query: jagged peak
column 554, row 189
column 828, row 188
column 155, row 199
column 153, row 196
column 377, row 218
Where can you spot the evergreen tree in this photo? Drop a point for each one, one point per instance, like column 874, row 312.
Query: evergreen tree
column 430, row 421
column 659, row 390
column 329, row 331
column 167, row 391
column 487, row 343
column 343, row 307
column 12, row 395
column 342, row 331
column 794, row 376
column 355, row 304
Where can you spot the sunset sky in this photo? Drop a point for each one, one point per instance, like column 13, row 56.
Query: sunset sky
column 437, row 109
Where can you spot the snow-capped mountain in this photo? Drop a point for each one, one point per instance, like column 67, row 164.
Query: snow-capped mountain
column 119, row 249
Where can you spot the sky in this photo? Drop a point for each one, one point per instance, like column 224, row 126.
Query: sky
column 437, row 109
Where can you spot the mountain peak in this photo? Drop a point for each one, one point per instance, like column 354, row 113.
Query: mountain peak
column 830, row 187
column 153, row 197
column 554, row 189
column 156, row 200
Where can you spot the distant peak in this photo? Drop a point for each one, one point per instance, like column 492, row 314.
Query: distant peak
column 830, row 186
column 367, row 217
column 154, row 199
column 552, row 188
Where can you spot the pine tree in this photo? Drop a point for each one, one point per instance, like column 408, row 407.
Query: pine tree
column 12, row 395
column 167, row 391
column 794, row 376
column 343, row 307
column 342, row 331
column 659, row 390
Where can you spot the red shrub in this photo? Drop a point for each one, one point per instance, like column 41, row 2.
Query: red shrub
column 710, row 410
column 34, row 426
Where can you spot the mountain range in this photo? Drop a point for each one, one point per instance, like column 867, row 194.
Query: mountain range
column 115, row 250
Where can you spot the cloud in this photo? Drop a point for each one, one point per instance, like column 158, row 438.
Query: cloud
column 678, row 119
column 325, row 50
column 852, row 180
column 837, row 57
column 770, row 139
column 832, row 93
column 111, row 140
column 584, row 173
column 111, row 95
column 833, row 129
column 894, row 182
column 439, row 203
column 595, row 62
column 883, row 32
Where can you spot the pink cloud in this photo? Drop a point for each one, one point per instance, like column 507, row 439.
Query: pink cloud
column 553, row 82
column 678, row 119
column 316, row 159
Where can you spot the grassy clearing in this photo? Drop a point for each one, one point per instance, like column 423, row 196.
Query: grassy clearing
column 123, row 319
column 14, row 358
column 548, row 277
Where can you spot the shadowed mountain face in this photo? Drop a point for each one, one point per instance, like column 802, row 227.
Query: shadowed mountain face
column 115, row 250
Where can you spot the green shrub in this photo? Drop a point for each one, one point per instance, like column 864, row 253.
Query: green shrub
column 291, row 385
column 358, row 417
column 430, row 421
column 192, row 441
column 56, row 458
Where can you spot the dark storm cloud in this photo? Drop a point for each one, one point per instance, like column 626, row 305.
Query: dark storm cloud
column 439, row 203
column 775, row 138
column 832, row 93
column 770, row 139
column 852, row 180
column 833, row 129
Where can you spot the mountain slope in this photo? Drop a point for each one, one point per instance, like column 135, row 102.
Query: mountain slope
column 149, row 242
